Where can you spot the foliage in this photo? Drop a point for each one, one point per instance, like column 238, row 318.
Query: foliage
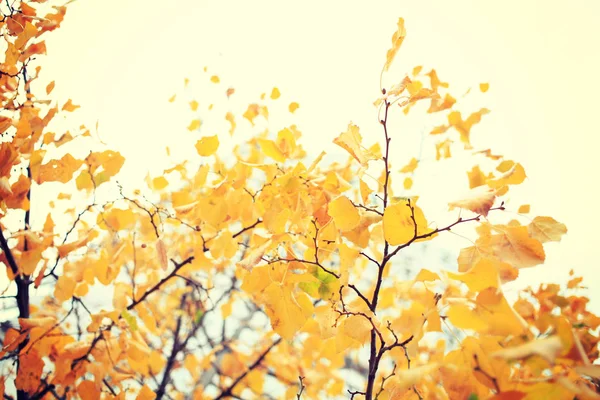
column 265, row 272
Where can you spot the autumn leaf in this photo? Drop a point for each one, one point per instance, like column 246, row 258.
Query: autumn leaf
column 351, row 142
column 397, row 40
column 482, row 276
column 344, row 214
column 547, row 348
column 546, row 229
column 254, row 256
column 410, row 167
column 59, row 170
column 464, row 126
column 514, row 176
column 161, row 251
column 271, row 149
column 69, row 106
column 194, row 125
column 479, row 200
column 207, row 146
column 399, row 225
column 275, row 93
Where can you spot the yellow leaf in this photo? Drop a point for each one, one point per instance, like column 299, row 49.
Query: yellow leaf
column 64, row 288
column 146, row 393
column 397, row 40
column 408, row 182
column 547, row 348
column 286, row 315
column 463, row 317
column 410, row 167
column 65, row 249
column 365, row 192
column 464, row 127
column 275, row 93
column 344, row 214
column 231, row 119
column 207, row 145
column 546, row 229
column 159, row 183
column 254, row 256
column 476, row 177
column 29, row 260
column 195, row 124
column 270, row 149
column 226, row 309
column 69, row 106
column 404, row 380
column 215, row 79
column 426, row 275
column 514, row 176
column 252, row 112
column 524, row 209
column 398, row 225
column 479, row 200
column 293, row 106
column 358, row 328
column 482, row 276
column 484, row 87
column 194, row 105
column 116, row 219
column 351, row 142
column 437, row 104
column 435, row 81
column 172, row 98
column 514, row 246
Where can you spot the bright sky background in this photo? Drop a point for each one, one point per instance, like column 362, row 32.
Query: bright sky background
column 122, row 59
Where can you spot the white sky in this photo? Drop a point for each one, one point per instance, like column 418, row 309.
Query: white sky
column 122, row 59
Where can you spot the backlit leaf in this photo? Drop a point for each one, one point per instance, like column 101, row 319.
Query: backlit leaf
column 207, row 145
column 546, row 229
column 399, row 226
column 397, row 40
column 344, row 214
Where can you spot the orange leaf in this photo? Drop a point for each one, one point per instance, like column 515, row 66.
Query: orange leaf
column 30, row 371
column 59, row 170
column 69, row 106
column 146, row 393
